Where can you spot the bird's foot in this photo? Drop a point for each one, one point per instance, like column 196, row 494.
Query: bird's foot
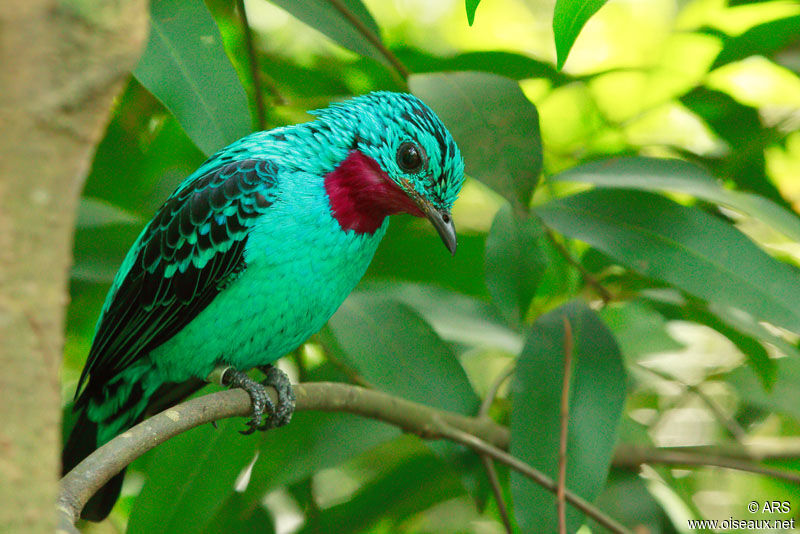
column 259, row 397
column 286, row 400
column 262, row 404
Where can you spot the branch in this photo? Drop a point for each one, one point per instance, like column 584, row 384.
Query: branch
column 94, row 471
column 481, row 434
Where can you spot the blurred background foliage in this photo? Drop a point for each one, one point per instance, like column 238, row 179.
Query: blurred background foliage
column 677, row 265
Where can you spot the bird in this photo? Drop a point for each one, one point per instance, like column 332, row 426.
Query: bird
column 251, row 255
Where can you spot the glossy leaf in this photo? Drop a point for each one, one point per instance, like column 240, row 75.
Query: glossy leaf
column 346, row 22
column 471, row 6
column 569, row 17
column 651, row 174
column 495, row 125
column 514, row 262
column 682, row 246
column 397, row 351
column 597, row 395
column 186, row 68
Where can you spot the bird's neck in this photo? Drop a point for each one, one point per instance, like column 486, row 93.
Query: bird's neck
column 362, row 195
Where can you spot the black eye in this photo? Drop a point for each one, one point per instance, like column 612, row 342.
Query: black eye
column 409, row 157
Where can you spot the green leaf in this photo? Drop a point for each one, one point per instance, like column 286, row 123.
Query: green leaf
column 471, row 5
column 514, row 262
column 569, row 17
column 763, row 40
column 597, row 396
column 682, row 246
column 398, row 352
column 639, row 329
column 457, row 318
column 402, row 488
column 651, row 174
column 189, row 476
column 509, row 64
column 494, row 124
column 346, row 22
column 186, row 68
column 413, row 239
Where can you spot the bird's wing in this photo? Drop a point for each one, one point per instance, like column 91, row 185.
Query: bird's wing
column 191, row 249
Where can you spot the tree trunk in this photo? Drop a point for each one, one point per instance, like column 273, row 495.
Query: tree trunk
column 61, row 64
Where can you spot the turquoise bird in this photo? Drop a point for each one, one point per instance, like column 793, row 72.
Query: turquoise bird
column 251, row 255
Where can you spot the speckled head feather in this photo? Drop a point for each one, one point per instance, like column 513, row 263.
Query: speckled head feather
column 383, row 122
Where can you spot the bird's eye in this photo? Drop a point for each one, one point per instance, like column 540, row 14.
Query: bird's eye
column 409, row 157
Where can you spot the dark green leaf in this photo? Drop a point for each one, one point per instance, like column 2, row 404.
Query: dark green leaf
column 509, row 64
column 346, row 22
column 185, row 66
column 409, row 241
column 402, row 489
column 763, row 39
column 569, row 17
column 189, row 476
column 682, row 246
column 514, row 262
column 651, row 174
column 627, row 500
column 495, row 125
column 471, row 5
column 240, row 515
column 398, row 352
column 597, row 395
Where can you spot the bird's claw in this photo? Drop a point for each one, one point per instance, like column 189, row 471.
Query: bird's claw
column 281, row 414
column 259, row 397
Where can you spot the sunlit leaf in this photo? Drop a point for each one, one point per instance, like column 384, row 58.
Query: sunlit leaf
column 597, row 395
column 569, row 17
column 682, row 246
column 185, row 66
column 471, row 5
column 495, row 126
column 346, row 22
column 651, row 174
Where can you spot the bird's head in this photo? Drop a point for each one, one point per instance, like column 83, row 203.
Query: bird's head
column 401, row 159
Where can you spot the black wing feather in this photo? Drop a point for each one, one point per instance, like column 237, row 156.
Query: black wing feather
column 193, row 246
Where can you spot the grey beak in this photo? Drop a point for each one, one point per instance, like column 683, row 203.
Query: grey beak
column 443, row 223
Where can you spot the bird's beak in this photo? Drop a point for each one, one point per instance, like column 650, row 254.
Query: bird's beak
column 443, row 222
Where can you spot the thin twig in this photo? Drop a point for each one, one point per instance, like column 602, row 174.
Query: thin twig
column 261, row 112
column 370, row 36
column 488, row 466
column 588, row 277
column 631, row 456
column 482, row 447
column 497, row 491
column 562, row 445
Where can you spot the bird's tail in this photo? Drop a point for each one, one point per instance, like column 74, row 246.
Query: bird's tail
column 115, row 417
column 81, row 443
